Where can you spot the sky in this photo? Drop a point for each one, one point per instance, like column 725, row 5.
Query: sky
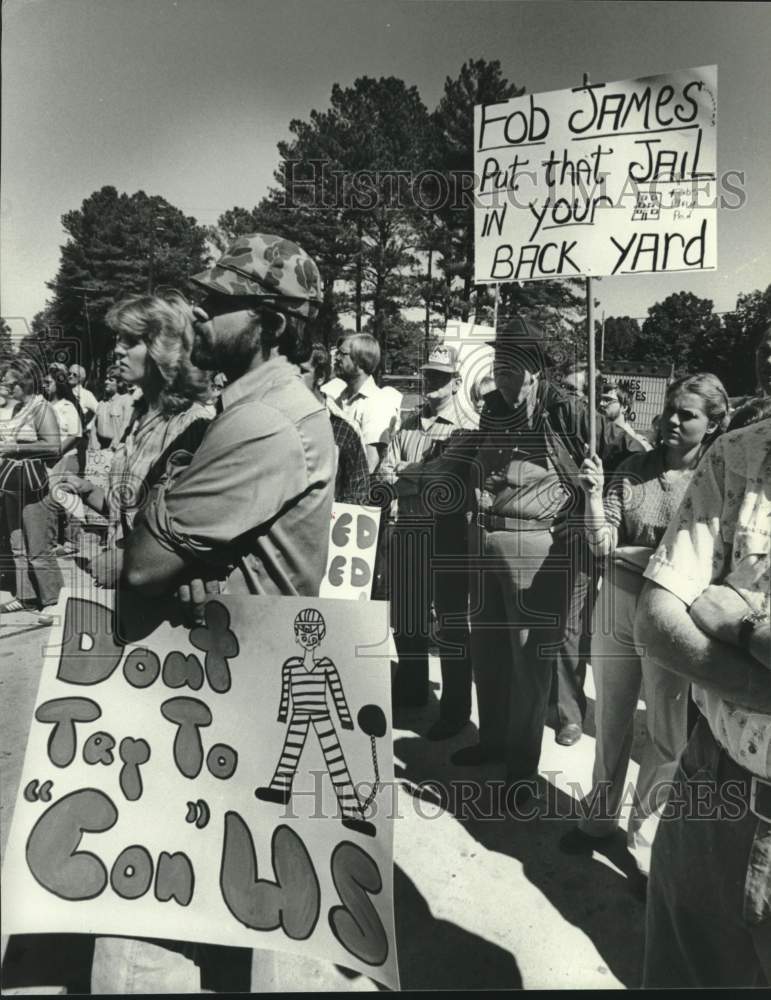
column 188, row 99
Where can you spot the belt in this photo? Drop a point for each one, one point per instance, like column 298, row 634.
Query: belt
column 496, row 522
column 759, row 788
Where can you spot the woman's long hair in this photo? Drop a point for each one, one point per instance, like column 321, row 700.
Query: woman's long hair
column 165, row 324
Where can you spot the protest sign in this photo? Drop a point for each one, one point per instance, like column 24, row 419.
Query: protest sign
column 225, row 784
column 602, row 179
column 353, row 534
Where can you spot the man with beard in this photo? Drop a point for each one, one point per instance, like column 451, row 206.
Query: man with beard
column 255, row 503
column 252, row 508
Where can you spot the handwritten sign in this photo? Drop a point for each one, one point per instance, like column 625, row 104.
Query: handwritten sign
column 353, row 534
column 603, row 179
column 226, row 784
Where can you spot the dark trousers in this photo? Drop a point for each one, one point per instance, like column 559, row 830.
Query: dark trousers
column 31, row 521
column 520, row 590
column 708, row 918
column 427, row 566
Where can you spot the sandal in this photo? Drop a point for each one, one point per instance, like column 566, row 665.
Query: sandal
column 11, row 607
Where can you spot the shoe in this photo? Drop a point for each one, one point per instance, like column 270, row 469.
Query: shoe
column 473, row 756
column 518, row 798
column 64, row 551
column 359, row 825
column 444, row 729
column 280, row 796
column 569, row 735
column 14, row 606
column 45, row 619
column 575, row 841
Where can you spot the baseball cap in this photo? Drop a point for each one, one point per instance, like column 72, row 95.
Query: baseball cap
column 442, row 358
column 519, row 334
column 270, row 268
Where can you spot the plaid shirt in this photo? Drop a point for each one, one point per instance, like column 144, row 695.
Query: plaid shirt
column 352, row 477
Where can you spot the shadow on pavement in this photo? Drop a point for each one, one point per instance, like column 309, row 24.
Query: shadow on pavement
column 436, row 954
column 587, row 892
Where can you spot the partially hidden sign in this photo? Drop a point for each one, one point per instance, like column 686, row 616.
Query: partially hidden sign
column 225, row 784
column 602, row 179
column 353, row 533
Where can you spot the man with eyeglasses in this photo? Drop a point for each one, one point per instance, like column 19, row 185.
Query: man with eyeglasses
column 369, row 408
column 614, row 405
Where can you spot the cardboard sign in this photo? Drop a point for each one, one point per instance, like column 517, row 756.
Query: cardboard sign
column 603, row 179
column 227, row 784
column 353, row 535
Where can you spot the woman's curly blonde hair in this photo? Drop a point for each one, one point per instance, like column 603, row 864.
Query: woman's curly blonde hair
column 164, row 322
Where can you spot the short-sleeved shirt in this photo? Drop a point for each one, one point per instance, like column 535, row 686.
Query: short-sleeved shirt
column 256, row 500
column 86, row 398
column 371, row 411
column 416, row 442
column 722, row 533
column 67, row 417
column 641, row 500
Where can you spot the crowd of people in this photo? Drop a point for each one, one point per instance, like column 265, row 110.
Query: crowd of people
column 512, row 542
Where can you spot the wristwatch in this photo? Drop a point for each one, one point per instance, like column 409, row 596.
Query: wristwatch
column 747, row 626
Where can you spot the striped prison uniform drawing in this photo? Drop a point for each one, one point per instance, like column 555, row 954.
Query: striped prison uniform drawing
column 307, row 690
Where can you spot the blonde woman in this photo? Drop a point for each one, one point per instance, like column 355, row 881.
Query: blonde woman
column 625, row 527
column 154, row 339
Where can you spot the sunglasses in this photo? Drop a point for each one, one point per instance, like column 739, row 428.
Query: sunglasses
column 220, row 305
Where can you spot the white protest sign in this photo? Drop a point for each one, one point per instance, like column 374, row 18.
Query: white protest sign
column 353, row 532
column 214, row 785
column 602, row 179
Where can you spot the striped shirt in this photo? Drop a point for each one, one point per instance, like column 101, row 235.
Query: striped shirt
column 308, row 689
column 417, row 442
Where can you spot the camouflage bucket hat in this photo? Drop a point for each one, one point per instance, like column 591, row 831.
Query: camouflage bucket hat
column 270, row 268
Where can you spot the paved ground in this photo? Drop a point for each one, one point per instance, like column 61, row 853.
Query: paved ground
column 485, row 903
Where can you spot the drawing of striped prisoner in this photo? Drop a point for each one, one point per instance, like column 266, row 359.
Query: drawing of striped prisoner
column 305, row 680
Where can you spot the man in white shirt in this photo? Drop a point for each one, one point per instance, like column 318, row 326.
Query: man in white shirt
column 705, row 615
column 86, row 398
column 362, row 403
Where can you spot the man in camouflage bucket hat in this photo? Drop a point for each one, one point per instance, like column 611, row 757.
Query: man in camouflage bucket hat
column 259, row 296
column 252, row 508
column 270, row 268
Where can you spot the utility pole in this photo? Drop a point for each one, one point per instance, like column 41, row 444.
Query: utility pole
column 151, row 251
column 85, row 292
column 428, row 299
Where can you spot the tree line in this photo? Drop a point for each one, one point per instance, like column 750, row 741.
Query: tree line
column 378, row 190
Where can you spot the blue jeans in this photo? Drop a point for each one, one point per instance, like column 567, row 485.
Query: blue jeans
column 708, row 921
